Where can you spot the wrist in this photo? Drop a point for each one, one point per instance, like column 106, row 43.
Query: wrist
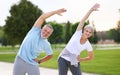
column 39, row 61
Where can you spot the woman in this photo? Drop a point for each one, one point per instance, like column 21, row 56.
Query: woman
column 70, row 56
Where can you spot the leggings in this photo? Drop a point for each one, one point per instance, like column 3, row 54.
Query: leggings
column 63, row 66
column 23, row 68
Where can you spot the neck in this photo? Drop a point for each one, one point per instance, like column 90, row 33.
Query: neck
column 83, row 37
column 83, row 40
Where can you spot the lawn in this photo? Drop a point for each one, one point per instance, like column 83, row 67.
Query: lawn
column 106, row 62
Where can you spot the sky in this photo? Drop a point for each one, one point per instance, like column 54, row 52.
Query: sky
column 104, row 19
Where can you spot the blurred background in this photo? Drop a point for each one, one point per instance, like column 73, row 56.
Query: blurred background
column 18, row 16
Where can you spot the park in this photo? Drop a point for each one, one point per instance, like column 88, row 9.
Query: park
column 106, row 61
column 105, row 44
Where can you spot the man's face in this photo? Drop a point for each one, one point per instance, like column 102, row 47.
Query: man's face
column 46, row 32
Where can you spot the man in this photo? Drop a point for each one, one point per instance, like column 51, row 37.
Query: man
column 33, row 44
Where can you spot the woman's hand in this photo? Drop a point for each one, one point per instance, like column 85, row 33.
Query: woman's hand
column 78, row 57
column 89, row 57
column 95, row 7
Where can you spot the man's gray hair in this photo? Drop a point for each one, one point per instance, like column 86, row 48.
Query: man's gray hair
column 50, row 26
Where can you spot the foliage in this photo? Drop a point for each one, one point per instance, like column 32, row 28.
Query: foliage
column 94, row 38
column 21, row 19
column 118, row 24
column 57, row 33
column 3, row 40
column 114, row 34
column 1, row 34
column 74, row 26
column 67, row 32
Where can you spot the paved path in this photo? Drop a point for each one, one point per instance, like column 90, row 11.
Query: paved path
column 6, row 69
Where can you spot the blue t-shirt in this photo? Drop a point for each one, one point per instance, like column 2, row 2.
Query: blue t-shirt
column 33, row 45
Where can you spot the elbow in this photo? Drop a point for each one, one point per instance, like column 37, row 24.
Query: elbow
column 91, row 57
column 43, row 16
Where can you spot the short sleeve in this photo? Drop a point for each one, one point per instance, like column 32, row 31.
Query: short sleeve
column 89, row 46
column 34, row 30
column 48, row 49
column 78, row 33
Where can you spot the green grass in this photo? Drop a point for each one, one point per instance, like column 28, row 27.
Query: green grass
column 7, row 57
column 8, row 49
column 106, row 62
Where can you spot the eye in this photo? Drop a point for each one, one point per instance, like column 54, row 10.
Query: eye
column 48, row 32
column 90, row 32
column 86, row 30
column 45, row 30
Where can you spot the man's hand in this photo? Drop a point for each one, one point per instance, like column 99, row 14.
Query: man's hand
column 44, row 16
column 60, row 11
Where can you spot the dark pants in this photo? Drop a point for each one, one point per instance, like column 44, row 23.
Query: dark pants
column 64, row 65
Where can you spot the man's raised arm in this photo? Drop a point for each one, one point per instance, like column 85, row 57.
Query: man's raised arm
column 44, row 16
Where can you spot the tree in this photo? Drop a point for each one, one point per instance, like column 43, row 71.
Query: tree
column 74, row 26
column 57, row 33
column 115, row 32
column 67, row 32
column 94, row 38
column 3, row 40
column 21, row 19
column 118, row 24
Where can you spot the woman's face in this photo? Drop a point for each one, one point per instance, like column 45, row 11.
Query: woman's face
column 87, row 32
column 46, row 32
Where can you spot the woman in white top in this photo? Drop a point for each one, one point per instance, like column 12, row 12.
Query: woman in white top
column 70, row 56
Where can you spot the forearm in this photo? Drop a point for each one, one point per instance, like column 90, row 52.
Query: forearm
column 89, row 57
column 48, row 14
column 85, row 59
column 86, row 16
column 94, row 8
column 44, row 16
column 81, row 24
column 44, row 59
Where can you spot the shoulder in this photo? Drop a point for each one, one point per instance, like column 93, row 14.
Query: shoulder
column 88, row 43
column 35, row 28
column 78, row 32
column 89, row 46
